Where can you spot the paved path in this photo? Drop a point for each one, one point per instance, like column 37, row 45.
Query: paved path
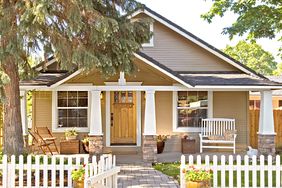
column 143, row 175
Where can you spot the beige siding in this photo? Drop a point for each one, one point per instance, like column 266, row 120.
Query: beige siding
column 234, row 105
column 143, row 73
column 179, row 54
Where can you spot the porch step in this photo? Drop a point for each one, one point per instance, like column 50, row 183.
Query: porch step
column 122, row 150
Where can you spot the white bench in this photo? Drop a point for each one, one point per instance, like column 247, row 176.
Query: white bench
column 213, row 133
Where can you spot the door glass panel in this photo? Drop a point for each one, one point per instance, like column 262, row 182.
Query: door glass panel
column 123, row 96
column 130, row 96
column 116, row 96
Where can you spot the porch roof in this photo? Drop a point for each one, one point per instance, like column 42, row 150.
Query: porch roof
column 227, row 79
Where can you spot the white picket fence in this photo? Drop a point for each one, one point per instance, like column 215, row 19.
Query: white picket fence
column 55, row 171
column 237, row 171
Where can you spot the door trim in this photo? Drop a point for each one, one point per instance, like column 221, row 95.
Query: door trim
column 138, row 115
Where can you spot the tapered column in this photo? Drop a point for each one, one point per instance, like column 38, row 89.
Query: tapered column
column 150, row 130
column 266, row 133
column 96, row 132
column 24, row 112
column 24, row 117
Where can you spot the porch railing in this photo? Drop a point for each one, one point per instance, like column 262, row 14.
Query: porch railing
column 55, row 171
column 237, row 171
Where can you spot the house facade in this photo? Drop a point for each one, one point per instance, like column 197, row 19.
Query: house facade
column 179, row 80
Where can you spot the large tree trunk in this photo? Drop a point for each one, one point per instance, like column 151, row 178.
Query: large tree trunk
column 13, row 136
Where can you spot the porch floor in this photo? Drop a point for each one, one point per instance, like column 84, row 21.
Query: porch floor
column 168, row 157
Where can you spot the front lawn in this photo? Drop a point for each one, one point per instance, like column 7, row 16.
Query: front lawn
column 170, row 169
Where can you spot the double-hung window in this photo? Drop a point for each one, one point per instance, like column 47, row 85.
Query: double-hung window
column 72, row 109
column 190, row 108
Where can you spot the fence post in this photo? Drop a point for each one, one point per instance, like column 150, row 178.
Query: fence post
column 182, row 172
column 115, row 180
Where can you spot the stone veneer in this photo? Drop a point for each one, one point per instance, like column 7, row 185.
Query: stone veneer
column 149, row 148
column 266, row 144
column 95, row 145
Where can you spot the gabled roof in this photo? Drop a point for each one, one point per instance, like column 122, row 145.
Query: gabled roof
column 197, row 40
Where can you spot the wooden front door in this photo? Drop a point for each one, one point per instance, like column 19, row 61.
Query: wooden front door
column 123, row 118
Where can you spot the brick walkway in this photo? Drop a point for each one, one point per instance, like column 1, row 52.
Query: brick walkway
column 143, row 175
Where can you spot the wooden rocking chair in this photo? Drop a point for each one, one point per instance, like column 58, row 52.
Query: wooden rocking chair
column 47, row 136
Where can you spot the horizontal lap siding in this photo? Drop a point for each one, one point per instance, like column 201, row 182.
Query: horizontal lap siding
column 180, row 54
column 233, row 105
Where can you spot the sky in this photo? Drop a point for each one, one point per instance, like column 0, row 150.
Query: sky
column 186, row 13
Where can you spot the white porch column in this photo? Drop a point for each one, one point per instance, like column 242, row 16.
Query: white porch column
column 24, row 112
column 150, row 114
column 95, row 115
column 149, row 136
column 266, row 133
column 96, row 132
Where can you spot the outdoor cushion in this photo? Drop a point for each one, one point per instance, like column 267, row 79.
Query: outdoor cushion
column 229, row 134
column 216, row 137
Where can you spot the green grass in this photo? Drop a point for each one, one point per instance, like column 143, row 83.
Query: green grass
column 173, row 170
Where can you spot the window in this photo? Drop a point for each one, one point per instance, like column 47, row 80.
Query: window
column 189, row 108
column 72, row 109
column 151, row 42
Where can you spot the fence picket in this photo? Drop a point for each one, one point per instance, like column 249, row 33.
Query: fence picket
column 222, row 174
column 246, row 171
column 61, row 176
column 230, row 166
column 278, row 171
column 262, row 183
column 215, row 171
column 254, row 172
column 29, row 166
column 5, row 170
column 182, row 172
column 37, row 171
column 269, row 171
column 54, row 170
column 12, row 173
column 21, row 170
column 45, row 171
column 69, row 170
column 239, row 174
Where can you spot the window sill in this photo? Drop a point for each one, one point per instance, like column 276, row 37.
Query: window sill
column 80, row 130
column 186, row 129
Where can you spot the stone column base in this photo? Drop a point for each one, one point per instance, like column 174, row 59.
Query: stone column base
column 96, row 145
column 149, row 148
column 266, row 144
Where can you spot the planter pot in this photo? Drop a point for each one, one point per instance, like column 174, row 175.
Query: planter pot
column 200, row 184
column 160, row 147
column 85, row 147
column 78, row 184
column 71, row 137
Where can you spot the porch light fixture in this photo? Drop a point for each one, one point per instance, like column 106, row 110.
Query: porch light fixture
column 101, row 95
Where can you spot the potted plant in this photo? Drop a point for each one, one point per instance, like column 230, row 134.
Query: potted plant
column 85, row 144
column 161, row 139
column 71, row 134
column 77, row 176
column 198, row 177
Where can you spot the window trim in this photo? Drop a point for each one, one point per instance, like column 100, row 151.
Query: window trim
column 55, row 127
column 175, row 116
column 151, row 42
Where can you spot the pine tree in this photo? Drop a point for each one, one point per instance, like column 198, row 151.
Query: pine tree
column 88, row 33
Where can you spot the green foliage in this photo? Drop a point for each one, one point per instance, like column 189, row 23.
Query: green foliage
column 78, row 174
column 256, row 18
column 278, row 70
column 252, row 55
column 70, row 132
column 170, row 169
column 162, row 138
column 197, row 173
